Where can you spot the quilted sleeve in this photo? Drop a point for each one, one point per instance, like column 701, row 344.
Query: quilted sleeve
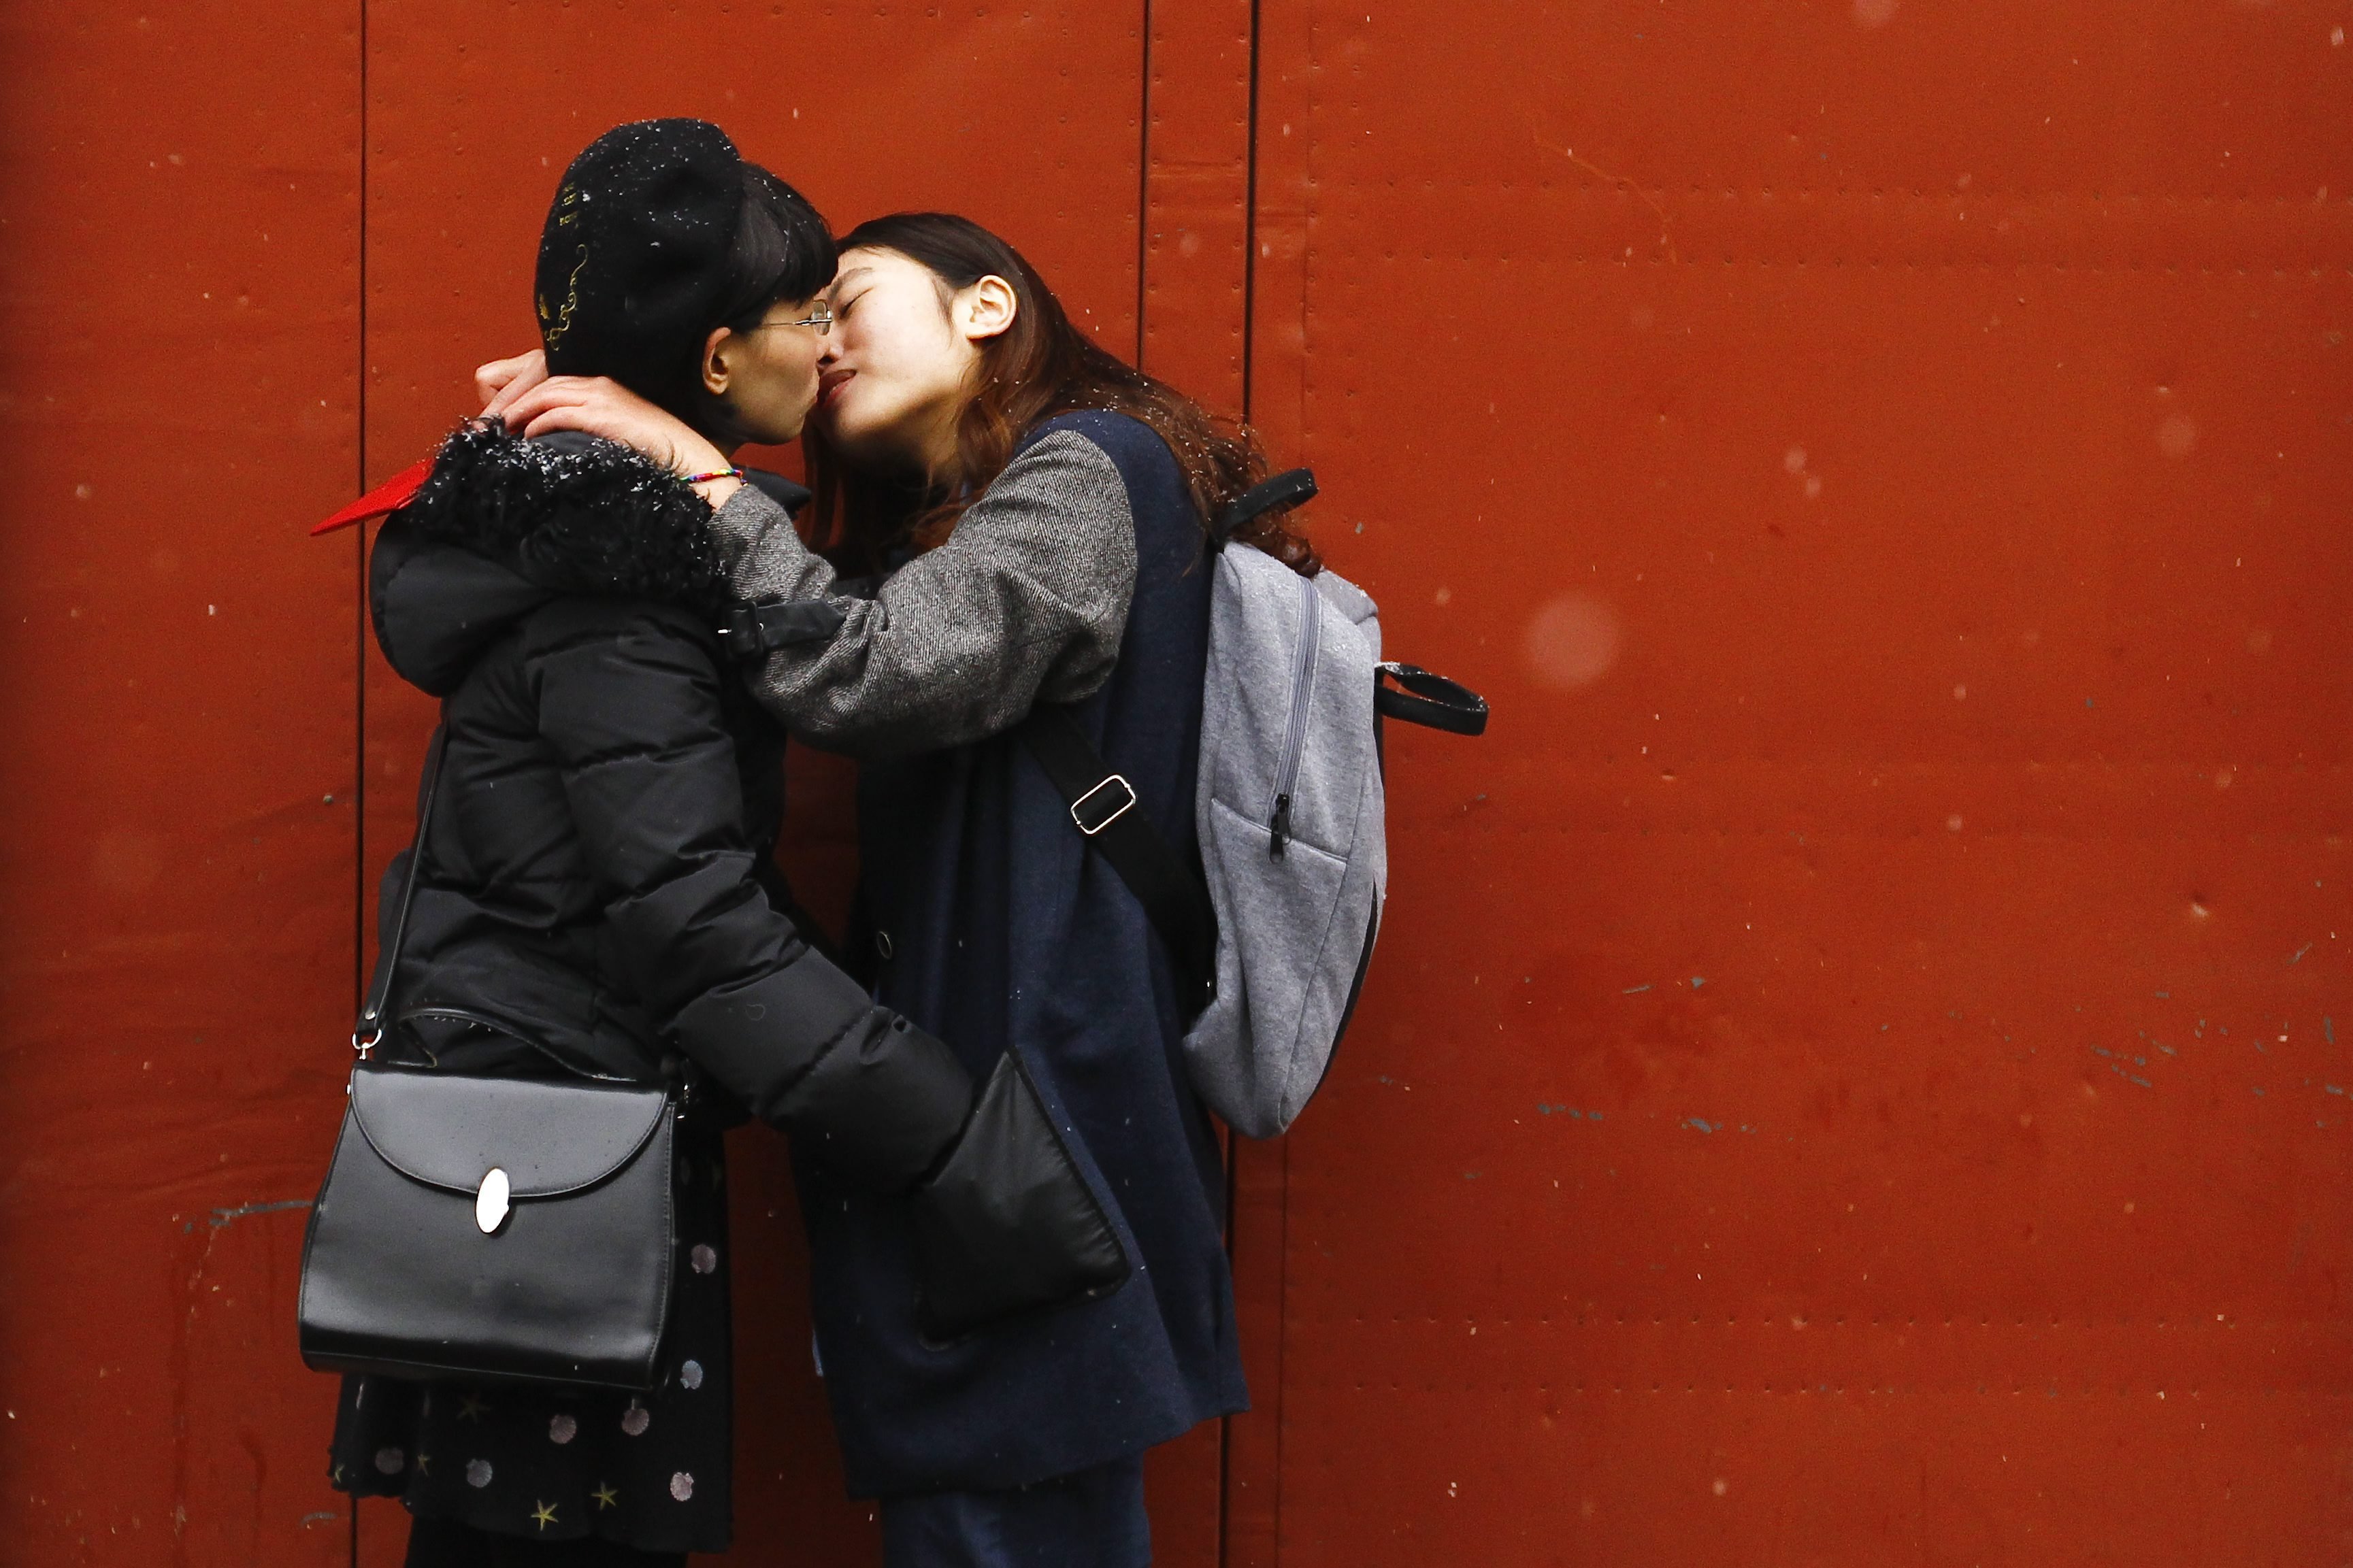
column 628, row 699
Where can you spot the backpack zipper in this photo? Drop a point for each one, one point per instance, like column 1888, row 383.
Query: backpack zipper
column 1303, row 680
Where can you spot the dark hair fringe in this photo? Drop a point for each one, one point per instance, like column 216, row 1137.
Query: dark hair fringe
column 782, row 250
column 604, row 520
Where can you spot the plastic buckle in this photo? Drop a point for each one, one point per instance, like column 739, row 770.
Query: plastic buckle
column 1079, row 806
column 738, row 634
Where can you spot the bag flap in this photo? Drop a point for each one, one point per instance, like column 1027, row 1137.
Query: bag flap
column 549, row 1136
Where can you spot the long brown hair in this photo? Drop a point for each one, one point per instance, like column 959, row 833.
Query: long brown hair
column 1041, row 366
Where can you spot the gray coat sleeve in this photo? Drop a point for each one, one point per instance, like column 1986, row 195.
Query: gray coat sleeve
column 1025, row 603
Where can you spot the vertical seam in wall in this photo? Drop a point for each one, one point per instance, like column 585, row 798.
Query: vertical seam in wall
column 1311, row 73
column 359, row 597
column 1249, row 221
column 1250, row 343
column 1282, row 1225
column 1226, row 1423
column 360, row 623
column 1143, row 182
column 1282, row 1356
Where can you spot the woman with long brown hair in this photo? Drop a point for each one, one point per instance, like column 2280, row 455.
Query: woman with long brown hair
column 1039, row 514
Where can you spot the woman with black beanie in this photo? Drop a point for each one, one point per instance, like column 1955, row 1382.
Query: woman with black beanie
column 596, row 894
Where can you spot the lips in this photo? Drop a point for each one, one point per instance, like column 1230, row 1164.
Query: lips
column 830, row 385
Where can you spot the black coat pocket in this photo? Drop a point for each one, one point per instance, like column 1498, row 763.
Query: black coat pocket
column 1008, row 1227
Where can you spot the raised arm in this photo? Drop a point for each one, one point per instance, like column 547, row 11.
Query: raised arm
column 1025, row 603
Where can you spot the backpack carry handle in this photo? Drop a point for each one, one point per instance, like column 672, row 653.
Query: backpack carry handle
column 1293, row 487
column 1431, row 701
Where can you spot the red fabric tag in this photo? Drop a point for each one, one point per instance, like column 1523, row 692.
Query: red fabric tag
column 389, row 495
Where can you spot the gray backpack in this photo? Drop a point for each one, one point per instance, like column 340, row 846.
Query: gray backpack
column 1290, row 813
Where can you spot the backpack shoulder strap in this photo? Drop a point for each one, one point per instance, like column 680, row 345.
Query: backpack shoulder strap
column 1105, row 810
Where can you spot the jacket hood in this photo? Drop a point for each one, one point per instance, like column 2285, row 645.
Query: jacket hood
column 505, row 524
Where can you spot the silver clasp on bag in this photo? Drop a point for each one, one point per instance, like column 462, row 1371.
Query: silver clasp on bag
column 490, row 1206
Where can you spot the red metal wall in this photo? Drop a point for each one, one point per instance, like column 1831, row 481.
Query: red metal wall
column 178, row 385
column 1852, row 1074
column 1859, row 1070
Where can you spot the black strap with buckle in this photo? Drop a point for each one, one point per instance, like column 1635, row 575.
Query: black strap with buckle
column 755, row 631
column 1102, row 805
column 1106, row 811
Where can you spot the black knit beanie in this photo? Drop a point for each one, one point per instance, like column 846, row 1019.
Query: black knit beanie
column 633, row 260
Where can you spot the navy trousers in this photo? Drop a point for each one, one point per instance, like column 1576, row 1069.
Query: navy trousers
column 444, row 1544
column 1092, row 1519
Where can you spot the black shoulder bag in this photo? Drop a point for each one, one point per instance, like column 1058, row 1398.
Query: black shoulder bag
column 491, row 1227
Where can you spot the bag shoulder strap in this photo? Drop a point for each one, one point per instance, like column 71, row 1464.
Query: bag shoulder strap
column 368, row 1032
column 1105, row 809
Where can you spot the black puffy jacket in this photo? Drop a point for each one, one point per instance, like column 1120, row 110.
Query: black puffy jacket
column 596, row 891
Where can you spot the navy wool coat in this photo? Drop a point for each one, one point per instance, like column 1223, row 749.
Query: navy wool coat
column 1005, row 932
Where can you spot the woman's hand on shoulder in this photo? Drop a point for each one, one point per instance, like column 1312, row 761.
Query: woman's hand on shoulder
column 599, row 405
column 500, row 382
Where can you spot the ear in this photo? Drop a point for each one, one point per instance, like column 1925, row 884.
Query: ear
column 718, row 349
column 986, row 308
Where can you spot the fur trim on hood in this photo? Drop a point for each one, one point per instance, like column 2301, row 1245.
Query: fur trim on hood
column 573, row 513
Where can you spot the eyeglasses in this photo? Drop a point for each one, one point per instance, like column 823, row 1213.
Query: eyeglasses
column 820, row 316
